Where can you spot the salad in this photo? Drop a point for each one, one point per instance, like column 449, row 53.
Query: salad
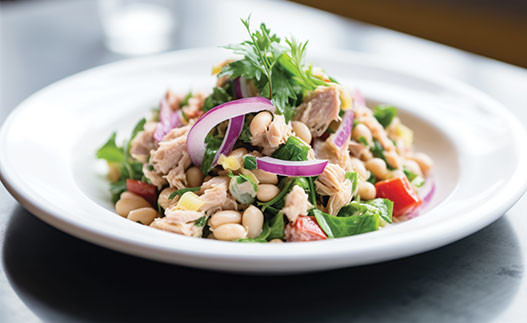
column 278, row 151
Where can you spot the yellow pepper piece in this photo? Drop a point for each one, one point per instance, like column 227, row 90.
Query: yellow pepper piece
column 346, row 101
column 405, row 133
column 250, row 174
column 229, row 163
column 189, row 202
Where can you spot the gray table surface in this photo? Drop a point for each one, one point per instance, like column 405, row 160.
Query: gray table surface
column 48, row 275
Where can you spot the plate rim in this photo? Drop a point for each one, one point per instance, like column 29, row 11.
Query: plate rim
column 124, row 244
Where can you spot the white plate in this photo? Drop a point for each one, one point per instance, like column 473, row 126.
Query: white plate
column 47, row 148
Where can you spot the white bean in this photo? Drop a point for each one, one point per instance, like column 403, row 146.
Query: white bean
column 265, row 177
column 367, row 190
column 424, row 162
column 239, row 154
column 194, row 177
column 229, row 232
column 361, row 130
column 267, row 192
column 359, row 167
column 260, row 122
column 393, row 159
column 378, row 167
column 276, row 241
column 163, row 199
column 412, row 166
column 145, row 215
column 224, row 217
column 302, row 131
column 124, row 206
column 253, row 220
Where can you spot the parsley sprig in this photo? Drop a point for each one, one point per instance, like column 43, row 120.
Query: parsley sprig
column 277, row 71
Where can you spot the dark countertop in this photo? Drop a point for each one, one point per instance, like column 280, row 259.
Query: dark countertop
column 48, row 275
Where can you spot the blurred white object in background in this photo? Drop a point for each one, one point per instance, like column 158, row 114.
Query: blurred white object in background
column 134, row 27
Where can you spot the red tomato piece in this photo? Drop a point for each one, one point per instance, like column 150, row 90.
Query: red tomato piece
column 305, row 228
column 145, row 190
column 399, row 190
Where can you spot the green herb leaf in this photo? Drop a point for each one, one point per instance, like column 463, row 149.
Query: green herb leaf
column 260, row 238
column 213, row 144
column 183, row 191
column 184, row 102
column 384, row 114
column 354, row 179
column 337, row 227
column 294, row 149
column 110, row 152
column 249, row 162
column 277, row 227
column 140, row 126
column 201, row 221
column 379, row 206
column 218, row 96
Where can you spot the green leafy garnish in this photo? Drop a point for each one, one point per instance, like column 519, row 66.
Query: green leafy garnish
column 249, row 162
column 128, row 167
column 262, row 237
column 363, row 141
column 384, row 114
column 372, row 179
column 219, row 96
column 277, row 71
column 277, row 226
column 213, row 144
column 338, row 227
column 354, row 179
column 294, row 149
column 183, row 191
column 416, row 180
column 201, row 221
column 379, row 206
column 110, row 152
column 184, row 102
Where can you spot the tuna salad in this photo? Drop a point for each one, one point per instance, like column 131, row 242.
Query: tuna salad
column 277, row 151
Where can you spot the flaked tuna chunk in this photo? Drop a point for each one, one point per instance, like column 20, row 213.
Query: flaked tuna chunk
column 333, row 182
column 296, row 203
column 170, row 159
column 216, row 196
column 319, row 109
column 275, row 135
column 329, row 151
column 186, row 229
column 144, row 142
column 173, row 215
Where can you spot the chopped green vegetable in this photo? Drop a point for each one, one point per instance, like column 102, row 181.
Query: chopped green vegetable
column 219, row 96
column 242, row 188
column 183, row 191
column 337, row 227
column 363, row 141
column 184, row 102
column 278, row 71
column 201, row 221
column 354, row 179
column 249, row 162
column 416, row 180
column 277, row 226
column 381, row 207
column 213, row 144
column 384, row 114
column 372, row 179
column 110, row 152
column 245, row 135
column 140, row 126
column 260, row 238
column 294, row 149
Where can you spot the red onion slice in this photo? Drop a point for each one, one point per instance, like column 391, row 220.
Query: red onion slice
column 358, row 98
column 233, row 132
column 344, row 130
column 240, row 88
column 291, row 168
column 426, row 193
column 196, row 137
column 168, row 120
